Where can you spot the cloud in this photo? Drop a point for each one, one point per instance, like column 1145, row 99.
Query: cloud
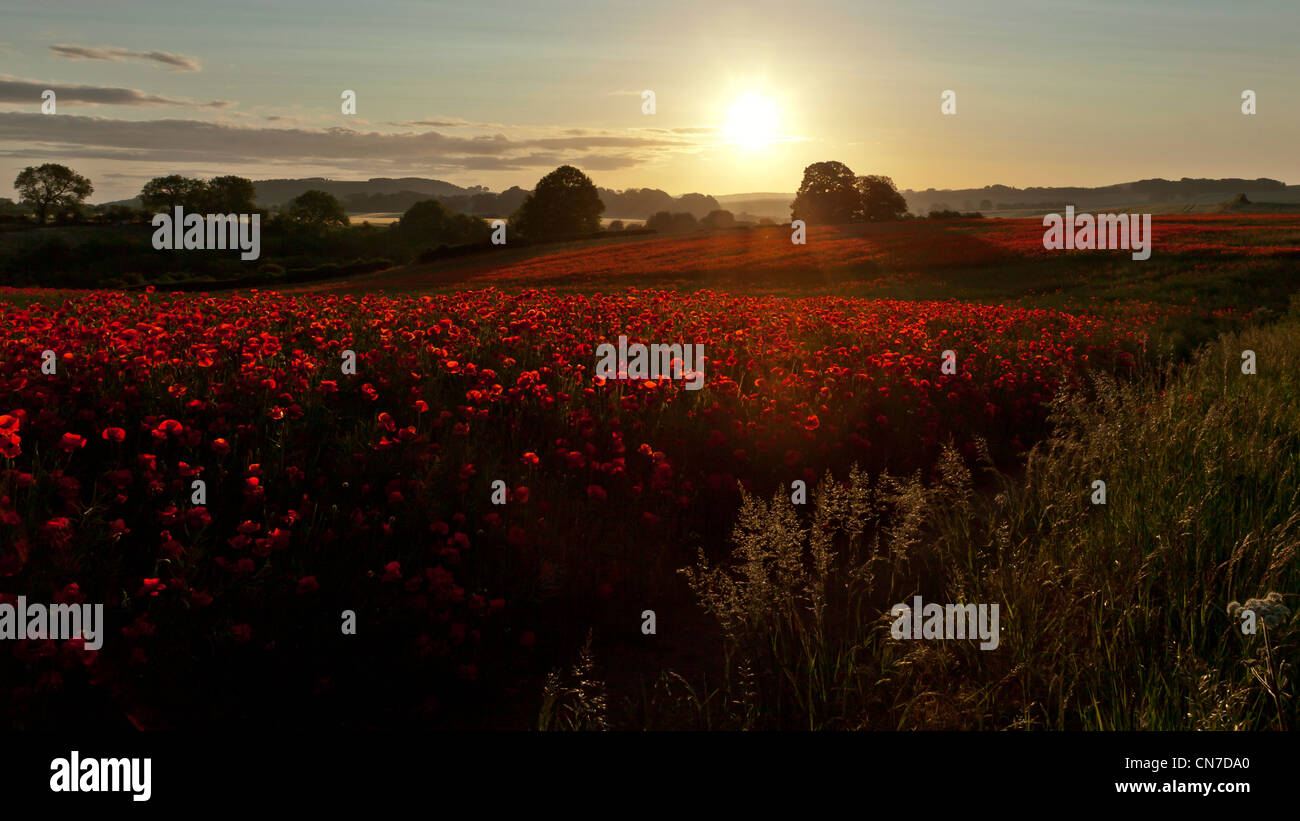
column 18, row 90
column 32, row 136
column 175, row 62
column 443, row 122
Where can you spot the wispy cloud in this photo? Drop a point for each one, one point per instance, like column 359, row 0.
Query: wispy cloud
column 443, row 122
column 174, row 62
column 31, row 135
column 19, row 90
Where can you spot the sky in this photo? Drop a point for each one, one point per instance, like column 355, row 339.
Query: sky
column 746, row 95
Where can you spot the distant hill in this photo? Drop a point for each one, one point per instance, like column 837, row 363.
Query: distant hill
column 384, row 193
column 773, row 205
column 271, row 193
column 1155, row 194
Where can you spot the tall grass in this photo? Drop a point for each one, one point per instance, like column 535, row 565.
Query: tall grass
column 1114, row 616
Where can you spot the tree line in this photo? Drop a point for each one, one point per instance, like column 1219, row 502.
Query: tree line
column 313, row 232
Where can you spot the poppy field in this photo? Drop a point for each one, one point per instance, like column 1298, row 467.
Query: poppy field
column 882, row 249
column 364, row 510
column 371, row 492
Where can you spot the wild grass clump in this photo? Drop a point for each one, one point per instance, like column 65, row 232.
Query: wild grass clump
column 1114, row 616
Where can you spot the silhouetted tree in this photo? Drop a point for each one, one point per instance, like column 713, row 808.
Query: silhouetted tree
column 661, row 221
column 229, row 195
column 668, row 223
column 564, row 203
column 165, row 193
column 52, row 186
column 880, row 200
column 715, row 220
column 317, row 209
column 828, row 194
column 698, row 205
column 429, row 222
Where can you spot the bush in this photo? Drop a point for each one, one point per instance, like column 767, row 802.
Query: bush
column 669, row 223
column 716, row 220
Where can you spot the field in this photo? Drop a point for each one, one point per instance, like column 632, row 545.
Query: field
column 499, row 519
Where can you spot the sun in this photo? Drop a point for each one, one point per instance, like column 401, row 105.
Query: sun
column 752, row 121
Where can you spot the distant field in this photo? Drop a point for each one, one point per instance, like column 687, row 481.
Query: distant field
column 376, row 218
column 389, row 217
column 986, row 259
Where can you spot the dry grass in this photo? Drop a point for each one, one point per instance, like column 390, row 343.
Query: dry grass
column 1114, row 617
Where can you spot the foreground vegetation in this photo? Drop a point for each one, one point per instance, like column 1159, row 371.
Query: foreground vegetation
column 1115, row 616
column 374, row 492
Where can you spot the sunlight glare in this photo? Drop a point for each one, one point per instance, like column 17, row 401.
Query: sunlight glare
column 751, row 121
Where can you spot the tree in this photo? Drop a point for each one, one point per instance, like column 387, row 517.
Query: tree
column 715, row 220
column 52, row 187
column 229, row 195
column 669, row 223
column 616, row 225
column 317, row 209
column 661, row 221
column 564, row 203
column 165, row 193
column 699, row 205
column 828, row 194
column 430, row 222
column 423, row 220
column 880, row 199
